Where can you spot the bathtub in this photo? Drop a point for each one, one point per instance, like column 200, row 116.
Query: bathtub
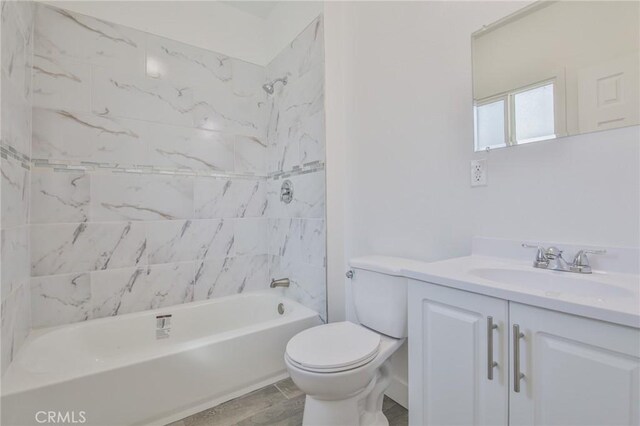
column 151, row 367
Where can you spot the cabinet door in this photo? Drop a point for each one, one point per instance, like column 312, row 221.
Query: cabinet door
column 577, row 371
column 449, row 354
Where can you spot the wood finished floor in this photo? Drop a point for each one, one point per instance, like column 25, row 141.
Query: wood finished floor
column 279, row 404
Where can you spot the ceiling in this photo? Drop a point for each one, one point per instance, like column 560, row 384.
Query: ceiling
column 261, row 9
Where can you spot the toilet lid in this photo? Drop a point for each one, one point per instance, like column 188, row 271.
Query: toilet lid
column 333, row 347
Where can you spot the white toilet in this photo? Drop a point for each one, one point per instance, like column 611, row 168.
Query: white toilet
column 344, row 368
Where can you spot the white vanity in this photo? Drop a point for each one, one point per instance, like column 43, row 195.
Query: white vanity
column 495, row 341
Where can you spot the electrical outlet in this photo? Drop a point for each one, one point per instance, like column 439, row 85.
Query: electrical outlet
column 479, row 173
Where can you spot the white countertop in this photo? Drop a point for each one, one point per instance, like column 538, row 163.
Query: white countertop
column 613, row 297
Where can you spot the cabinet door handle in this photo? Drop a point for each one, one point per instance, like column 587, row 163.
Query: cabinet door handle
column 491, row 364
column 517, row 375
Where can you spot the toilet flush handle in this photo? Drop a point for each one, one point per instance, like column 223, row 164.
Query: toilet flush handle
column 349, row 274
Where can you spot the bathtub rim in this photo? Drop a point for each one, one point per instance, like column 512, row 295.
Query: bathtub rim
column 11, row 384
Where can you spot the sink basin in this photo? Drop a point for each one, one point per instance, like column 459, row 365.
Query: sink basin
column 553, row 283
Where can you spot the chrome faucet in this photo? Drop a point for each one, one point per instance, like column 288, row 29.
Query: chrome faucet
column 556, row 261
column 552, row 259
column 282, row 282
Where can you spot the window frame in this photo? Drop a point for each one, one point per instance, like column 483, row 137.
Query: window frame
column 486, row 101
column 512, row 111
column 508, row 98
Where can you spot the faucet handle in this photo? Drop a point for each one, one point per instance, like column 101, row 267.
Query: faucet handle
column 581, row 261
column 542, row 261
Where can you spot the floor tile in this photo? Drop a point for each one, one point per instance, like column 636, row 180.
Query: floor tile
column 394, row 412
column 288, row 413
column 280, row 404
column 403, row 420
column 234, row 411
column 388, row 403
column 288, row 388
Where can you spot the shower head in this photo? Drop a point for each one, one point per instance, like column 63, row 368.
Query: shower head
column 269, row 87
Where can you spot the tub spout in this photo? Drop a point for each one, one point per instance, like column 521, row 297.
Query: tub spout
column 282, row 282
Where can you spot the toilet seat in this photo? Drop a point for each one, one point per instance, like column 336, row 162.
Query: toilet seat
column 334, row 347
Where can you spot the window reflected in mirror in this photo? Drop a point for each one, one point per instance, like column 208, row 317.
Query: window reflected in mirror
column 556, row 69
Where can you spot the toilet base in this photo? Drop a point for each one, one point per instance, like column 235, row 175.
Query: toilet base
column 362, row 409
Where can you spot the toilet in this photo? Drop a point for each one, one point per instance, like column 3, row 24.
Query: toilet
column 344, row 368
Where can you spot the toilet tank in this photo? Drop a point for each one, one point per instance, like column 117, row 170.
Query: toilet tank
column 380, row 294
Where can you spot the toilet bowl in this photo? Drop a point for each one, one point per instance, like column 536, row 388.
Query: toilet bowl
column 344, row 368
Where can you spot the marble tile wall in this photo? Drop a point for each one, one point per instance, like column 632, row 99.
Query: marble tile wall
column 104, row 93
column 295, row 128
column 113, row 244
column 296, row 151
column 153, row 182
column 150, row 180
column 15, row 147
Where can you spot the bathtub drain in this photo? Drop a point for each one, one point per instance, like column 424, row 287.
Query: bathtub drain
column 280, row 308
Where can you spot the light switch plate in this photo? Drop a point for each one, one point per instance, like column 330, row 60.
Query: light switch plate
column 478, row 172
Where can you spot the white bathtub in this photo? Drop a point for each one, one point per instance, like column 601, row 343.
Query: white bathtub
column 121, row 371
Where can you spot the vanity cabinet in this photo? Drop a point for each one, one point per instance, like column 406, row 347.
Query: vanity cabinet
column 551, row 368
column 451, row 342
column 577, row 371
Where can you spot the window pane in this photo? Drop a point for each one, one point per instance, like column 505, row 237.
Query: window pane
column 490, row 125
column 534, row 117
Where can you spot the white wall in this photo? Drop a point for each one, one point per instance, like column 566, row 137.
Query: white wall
column 339, row 41
column 285, row 22
column 399, row 134
column 581, row 189
column 408, row 128
column 211, row 25
column 409, row 139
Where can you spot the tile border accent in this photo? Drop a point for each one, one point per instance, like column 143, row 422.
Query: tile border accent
column 86, row 166
column 297, row 170
column 7, row 151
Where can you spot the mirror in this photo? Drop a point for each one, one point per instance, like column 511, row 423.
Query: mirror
column 556, row 69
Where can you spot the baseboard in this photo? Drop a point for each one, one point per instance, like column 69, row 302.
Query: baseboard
column 399, row 391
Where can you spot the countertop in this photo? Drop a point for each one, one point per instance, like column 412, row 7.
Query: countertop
column 612, row 297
